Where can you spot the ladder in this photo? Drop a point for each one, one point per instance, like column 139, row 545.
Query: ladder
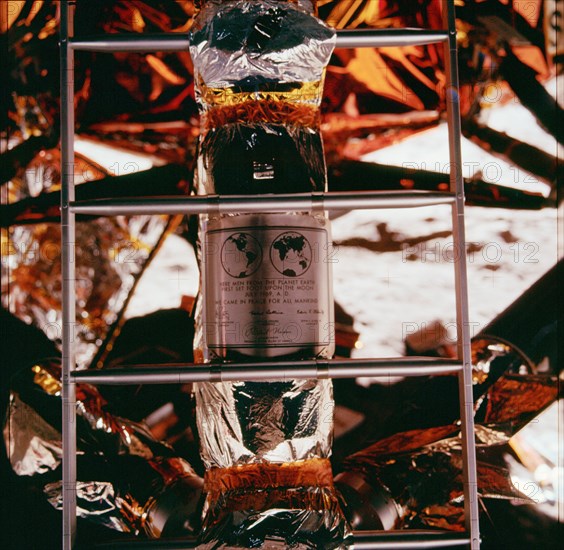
column 337, row 368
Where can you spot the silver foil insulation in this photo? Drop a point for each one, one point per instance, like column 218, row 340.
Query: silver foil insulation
column 127, row 480
column 266, row 291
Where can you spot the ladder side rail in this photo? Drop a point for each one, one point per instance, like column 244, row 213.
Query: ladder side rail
column 461, row 280
column 68, row 391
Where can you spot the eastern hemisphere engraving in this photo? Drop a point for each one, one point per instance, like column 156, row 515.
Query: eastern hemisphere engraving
column 290, row 254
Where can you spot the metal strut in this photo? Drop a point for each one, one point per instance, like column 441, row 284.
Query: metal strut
column 469, row 472
column 171, row 42
column 261, row 372
column 68, row 393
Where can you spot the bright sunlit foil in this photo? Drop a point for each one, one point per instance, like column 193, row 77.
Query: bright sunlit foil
column 117, row 162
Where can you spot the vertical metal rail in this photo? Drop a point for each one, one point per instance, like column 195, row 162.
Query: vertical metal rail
column 68, row 277
column 461, row 280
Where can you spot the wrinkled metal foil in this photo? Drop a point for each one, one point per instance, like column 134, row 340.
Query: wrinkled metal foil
column 93, row 498
column 419, row 472
column 127, row 480
column 34, row 410
column 508, row 392
column 110, row 255
column 33, row 446
column 303, row 518
column 247, row 422
column 259, row 68
column 138, row 500
column 255, row 42
column 424, row 487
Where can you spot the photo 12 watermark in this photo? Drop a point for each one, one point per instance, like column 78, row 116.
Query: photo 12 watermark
column 475, row 251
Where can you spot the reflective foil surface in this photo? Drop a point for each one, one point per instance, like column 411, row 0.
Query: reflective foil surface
column 259, row 421
column 110, row 255
column 127, row 480
column 415, row 477
column 259, row 68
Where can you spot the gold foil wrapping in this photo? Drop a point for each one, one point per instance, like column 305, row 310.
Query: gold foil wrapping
column 421, row 470
column 127, row 480
column 110, row 254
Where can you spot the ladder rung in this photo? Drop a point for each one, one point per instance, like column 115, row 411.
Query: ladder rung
column 373, row 540
column 263, row 372
column 134, row 42
column 363, row 540
column 358, row 38
column 239, row 204
column 380, row 38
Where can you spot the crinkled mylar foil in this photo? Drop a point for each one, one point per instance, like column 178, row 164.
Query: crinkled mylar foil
column 259, row 68
column 419, row 472
column 110, row 254
column 127, row 480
